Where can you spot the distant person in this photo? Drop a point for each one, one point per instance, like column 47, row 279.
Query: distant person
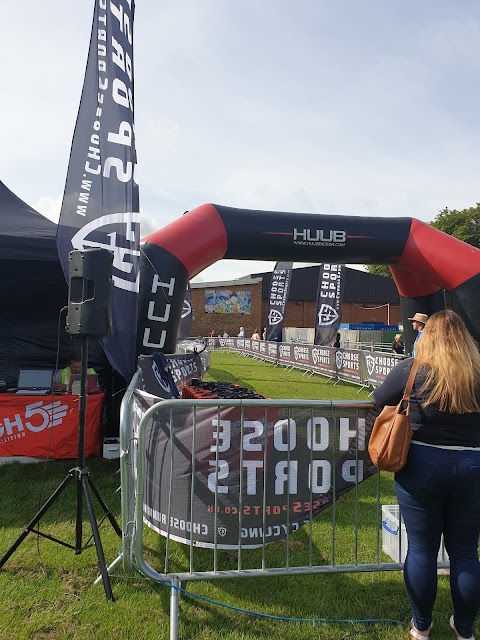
column 255, row 335
column 336, row 342
column 225, row 334
column 212, row 334
column 438, row 488
column 398, row 348
column 419, row 321
column 61, row 381
column 264, row 333
column 241, row 333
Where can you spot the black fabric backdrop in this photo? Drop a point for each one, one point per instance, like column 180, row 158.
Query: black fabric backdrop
column 33, row 290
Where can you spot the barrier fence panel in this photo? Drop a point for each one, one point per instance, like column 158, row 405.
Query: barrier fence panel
column 222, row 479
column 361, row 367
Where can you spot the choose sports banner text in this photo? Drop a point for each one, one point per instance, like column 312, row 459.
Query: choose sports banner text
column 101, row 200
column 278, row 299
column 329, row 302
column 218, row 482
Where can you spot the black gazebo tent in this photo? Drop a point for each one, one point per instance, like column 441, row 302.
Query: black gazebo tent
column 33, row 291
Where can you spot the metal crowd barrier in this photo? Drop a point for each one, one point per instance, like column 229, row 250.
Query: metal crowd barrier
column 348, row 364
column 220, row 479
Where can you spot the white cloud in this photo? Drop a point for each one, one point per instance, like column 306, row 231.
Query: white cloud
column 354, row 108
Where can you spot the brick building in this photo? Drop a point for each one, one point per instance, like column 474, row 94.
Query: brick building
column 367, row 298
column 215, row 307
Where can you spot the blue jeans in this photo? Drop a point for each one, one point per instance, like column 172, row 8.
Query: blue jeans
column 438, row 491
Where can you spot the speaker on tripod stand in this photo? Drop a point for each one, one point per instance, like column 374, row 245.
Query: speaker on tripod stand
column 90, row 293
column 89, row 315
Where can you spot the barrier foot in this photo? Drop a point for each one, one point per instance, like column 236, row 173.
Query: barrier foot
column 110, row 568
column 174, row 608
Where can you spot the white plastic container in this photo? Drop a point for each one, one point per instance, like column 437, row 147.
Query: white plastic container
column 394, row 536
column 111, row 448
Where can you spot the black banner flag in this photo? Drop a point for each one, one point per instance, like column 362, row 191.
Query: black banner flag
column 278, row 298
column 101, row 200
column 186, row 319
column 329, row 302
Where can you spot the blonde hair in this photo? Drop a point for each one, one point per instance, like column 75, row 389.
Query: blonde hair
column 452, row 361
column 398, row 336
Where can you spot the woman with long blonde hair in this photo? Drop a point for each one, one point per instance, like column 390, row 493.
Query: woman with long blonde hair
column 438, row 490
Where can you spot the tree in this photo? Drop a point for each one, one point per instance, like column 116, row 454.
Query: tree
column 463, row 225
column 379, row 270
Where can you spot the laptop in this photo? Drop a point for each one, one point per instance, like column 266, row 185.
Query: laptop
column 75, row 381
column 34, row 382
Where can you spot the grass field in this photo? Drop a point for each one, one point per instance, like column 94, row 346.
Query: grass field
column 277, row 382
column 47, row 592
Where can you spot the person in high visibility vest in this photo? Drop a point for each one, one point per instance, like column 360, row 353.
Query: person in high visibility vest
column 62, row 377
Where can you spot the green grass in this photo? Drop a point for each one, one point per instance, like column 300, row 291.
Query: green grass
column 278, row 382
column 46, row 591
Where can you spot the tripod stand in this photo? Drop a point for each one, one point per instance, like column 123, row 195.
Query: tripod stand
column 84, row 483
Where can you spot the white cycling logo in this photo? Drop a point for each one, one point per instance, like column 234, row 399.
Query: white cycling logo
column 339, row 359
column 274, row 316
column 160, row 378
column 38, row 416
column 370, row 360
column 124, row 257
column 186, row 309
column 326, row 315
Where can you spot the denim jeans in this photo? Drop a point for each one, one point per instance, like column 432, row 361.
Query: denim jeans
column 438, row 491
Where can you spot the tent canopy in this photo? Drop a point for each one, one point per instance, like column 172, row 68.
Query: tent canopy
column 33, row 291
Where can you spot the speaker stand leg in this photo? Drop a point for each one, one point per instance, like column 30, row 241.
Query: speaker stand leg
column 96, row 535
column 35, row 520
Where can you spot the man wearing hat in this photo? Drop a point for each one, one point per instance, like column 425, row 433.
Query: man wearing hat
column 419, row 321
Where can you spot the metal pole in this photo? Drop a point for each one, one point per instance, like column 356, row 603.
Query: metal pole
column 174, row 608
column 82, row 419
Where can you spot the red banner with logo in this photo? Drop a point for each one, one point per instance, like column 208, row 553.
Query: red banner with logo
column 47, row 426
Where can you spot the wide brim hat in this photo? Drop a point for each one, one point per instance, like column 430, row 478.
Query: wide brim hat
column 420, row 317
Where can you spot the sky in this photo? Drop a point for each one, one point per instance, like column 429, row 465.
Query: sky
column 358, row 107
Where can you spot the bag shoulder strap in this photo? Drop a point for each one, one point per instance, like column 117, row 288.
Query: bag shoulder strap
column 411, row 378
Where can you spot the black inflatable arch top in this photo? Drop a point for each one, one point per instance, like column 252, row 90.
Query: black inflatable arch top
column 424, row 261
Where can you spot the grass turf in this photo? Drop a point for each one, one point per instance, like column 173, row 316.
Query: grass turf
column 47, row 591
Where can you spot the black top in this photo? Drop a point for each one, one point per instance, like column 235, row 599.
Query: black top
column 398, row 347
column 429, row 424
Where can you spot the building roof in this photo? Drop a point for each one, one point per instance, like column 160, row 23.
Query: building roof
column 226, row 283
column 360, row 286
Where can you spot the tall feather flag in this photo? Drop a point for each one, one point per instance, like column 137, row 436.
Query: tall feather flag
column 100, row 205
column 277, row 302
column 329, row 302
column 186, row 319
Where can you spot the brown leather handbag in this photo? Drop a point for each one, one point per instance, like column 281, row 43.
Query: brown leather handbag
column 391, row 434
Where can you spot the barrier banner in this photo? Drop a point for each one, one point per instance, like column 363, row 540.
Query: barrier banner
column 185, row 366
column 100, row 205
column 320, row 360
column 165, row 375
column 378, row 365
column 213, row 482
column 349, row 363
column 324, row 361
column 329, row 302
column 47, row 426
column 277, row 301
column 156, row 377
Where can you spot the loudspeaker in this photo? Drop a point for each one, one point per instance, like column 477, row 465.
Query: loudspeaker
column 90, row 293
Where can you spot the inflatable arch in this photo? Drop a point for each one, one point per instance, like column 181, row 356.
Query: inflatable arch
column 424, row 261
